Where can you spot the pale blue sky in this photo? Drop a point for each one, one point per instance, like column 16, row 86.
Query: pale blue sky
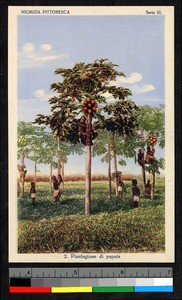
column 135, row 43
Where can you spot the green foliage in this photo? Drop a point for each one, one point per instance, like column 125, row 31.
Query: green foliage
column 125, row 146
column 122, row 120
column 122, row 162
column 62, row 122
column 40, row 146
column 101, row 142
column 156, row 166
column 27, row 135
column 149, row 119
column 114, row 226
column 86, row 80
column 152, row 121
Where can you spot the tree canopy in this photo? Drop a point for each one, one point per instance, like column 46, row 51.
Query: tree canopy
column 94, row 80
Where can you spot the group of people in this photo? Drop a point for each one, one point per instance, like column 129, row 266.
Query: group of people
column 56, row 186
column 135, row 190
column 58, row 180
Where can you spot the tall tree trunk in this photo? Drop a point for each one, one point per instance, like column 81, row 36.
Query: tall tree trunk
column 50, row 178
column 152, row 186
column 115, row 166
column 88, row 167
column 59, row 161
column 62, row 174
column 59, row 167
column 88, row 181
column 143, row 167
column 109, row 169
column 35, row 173
column 143, row 179
column 23, row 178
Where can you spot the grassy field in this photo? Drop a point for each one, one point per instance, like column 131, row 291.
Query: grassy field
column 113, row 226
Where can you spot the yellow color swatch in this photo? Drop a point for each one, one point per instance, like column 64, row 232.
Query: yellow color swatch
column 69, row 289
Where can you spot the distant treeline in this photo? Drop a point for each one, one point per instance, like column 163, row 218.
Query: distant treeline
column 76, row 177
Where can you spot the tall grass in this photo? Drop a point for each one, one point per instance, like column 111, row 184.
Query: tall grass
column 113, row 226
column 133, row 231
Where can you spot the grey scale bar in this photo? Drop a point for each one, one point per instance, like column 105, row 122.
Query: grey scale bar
column 111, row 272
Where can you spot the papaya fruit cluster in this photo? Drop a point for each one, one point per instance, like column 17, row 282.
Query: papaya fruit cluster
column 22, row 141
column 90, row 106
column 152, row 140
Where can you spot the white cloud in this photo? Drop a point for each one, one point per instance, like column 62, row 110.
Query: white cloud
column 42, row 95
column 28, row 48
column 30, row 57
column 46, row 47
column 131, row 80
column 39, row 93
column 145, row 88
column 134, row 77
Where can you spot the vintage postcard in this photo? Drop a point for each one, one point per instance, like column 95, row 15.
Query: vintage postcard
column 91, row 134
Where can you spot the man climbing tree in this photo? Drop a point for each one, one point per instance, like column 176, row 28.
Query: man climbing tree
column 141, row 159
column 82, row 130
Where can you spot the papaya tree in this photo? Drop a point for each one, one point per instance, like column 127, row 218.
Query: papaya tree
column 81, row 99
column 151, row 122
column 121, row 124
column 124, row 148
column 37, row 138
column 153, row 169
column 27, row 133
column 48, row 154
column 22, row 151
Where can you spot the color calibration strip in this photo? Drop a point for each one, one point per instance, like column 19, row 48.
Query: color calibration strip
column 101, row 285
column 91, row 280
column 100, row 289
